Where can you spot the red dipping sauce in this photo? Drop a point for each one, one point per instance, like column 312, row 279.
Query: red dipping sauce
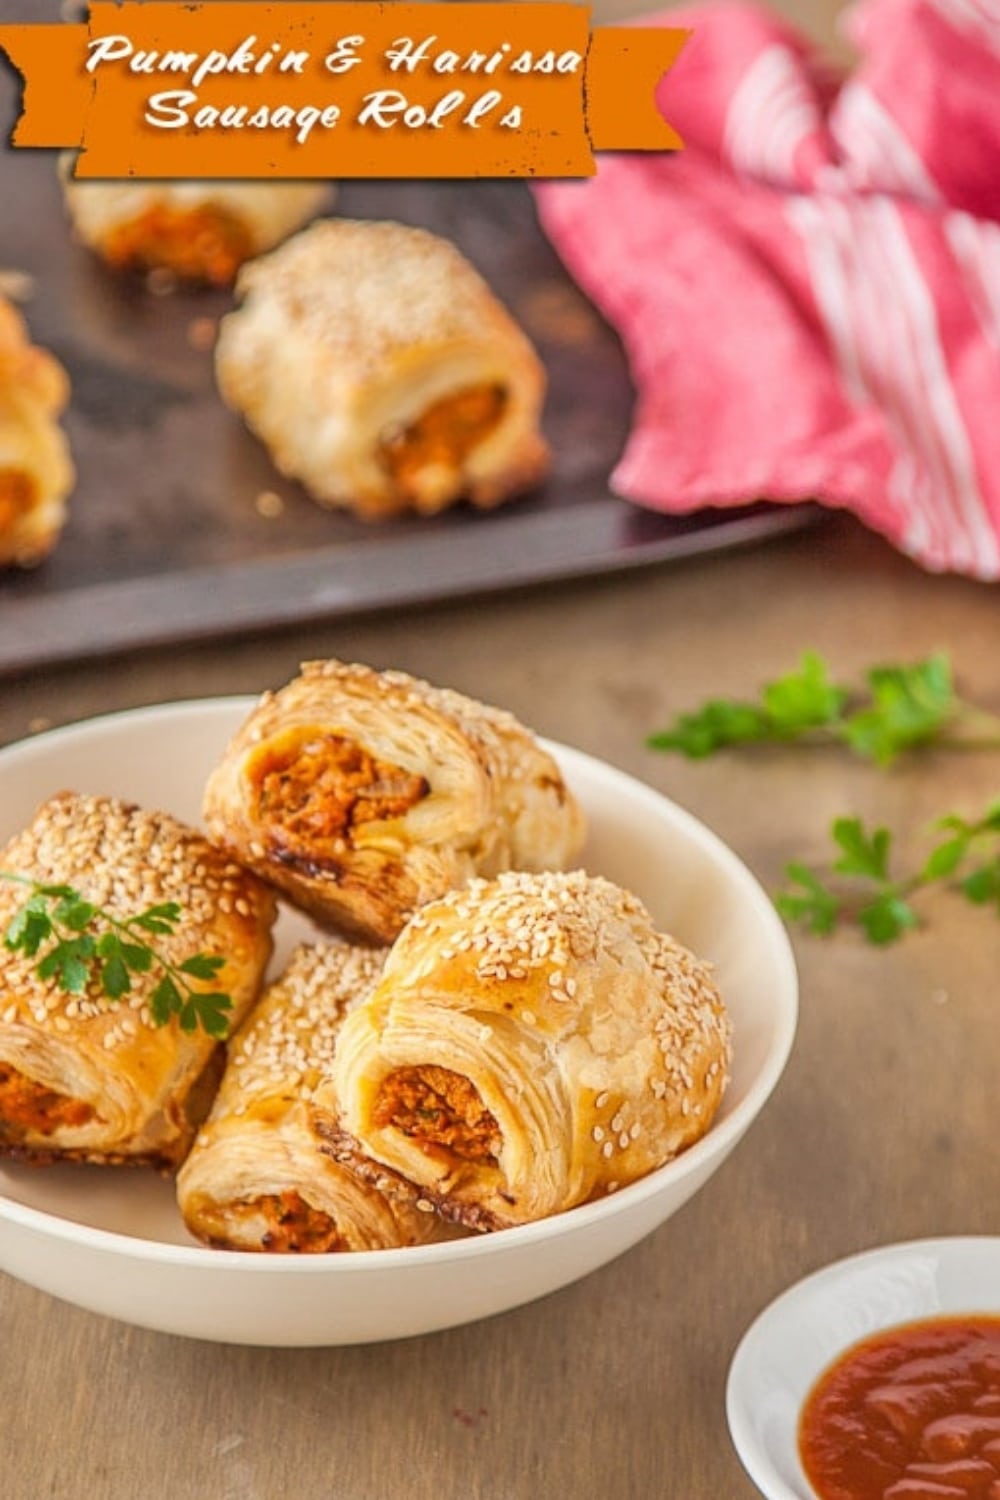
column 910, row 1414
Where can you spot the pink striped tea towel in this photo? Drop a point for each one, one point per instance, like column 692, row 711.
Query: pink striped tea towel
column 809, row 292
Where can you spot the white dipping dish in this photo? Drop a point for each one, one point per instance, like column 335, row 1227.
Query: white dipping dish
column 112, row 1240
column 801, row 1333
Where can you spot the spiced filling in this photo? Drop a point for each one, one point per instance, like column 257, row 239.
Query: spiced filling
column 17, row 495
column 294, row 1226
column 318, row 791
column 445, row 433
column 199, row 244
column 439, row 1109
column 29, row 1106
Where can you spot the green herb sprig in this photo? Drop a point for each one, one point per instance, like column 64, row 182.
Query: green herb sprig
column 860, row 888
column 78, row 942
column 899, row 708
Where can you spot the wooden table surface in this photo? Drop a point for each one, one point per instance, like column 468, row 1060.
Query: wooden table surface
column 880, row 1130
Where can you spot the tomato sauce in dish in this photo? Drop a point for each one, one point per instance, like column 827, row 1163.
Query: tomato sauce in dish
column 912, row 1413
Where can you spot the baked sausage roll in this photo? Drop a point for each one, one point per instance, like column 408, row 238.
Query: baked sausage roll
column 86, row 1078
column 257, row 1177
column 364, row 794
column 36, row 473
column 380, row 370
column 534, row 1042
column 199, row 231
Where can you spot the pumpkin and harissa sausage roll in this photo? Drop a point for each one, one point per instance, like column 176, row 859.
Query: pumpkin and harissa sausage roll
column 87, row 1078
column 533, row 1043
column 36, row 473
column 365, row 794
column 199, row 231
column 380, row 370
column 257, row 1177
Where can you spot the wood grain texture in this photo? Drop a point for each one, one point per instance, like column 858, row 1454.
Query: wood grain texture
column 881, row 1129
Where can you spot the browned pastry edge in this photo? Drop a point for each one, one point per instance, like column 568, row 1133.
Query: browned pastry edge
column 344, row 1148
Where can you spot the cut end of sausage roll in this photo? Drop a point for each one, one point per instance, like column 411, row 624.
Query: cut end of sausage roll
column 82, row 1076
column 197, row 231
column 534, row 1043
column 259, row 1176
column 380, row 370
column 36, row 472
column 365, row 794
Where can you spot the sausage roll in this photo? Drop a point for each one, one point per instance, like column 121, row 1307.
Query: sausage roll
column 199, row 231
column 534, row 1042
column 380, row 370
column 256, row 1177
column 364, row 794
column 87, row 1078
column 36, row 473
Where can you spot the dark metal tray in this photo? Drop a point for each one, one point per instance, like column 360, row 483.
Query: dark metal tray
column 165, row 541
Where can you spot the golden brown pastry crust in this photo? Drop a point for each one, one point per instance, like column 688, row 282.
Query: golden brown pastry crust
column 198, row 231
column 36, row 472
column 257, row 1177
column 380, row 370
column 534, row 1043
column 465, row 790
column 88, row 1079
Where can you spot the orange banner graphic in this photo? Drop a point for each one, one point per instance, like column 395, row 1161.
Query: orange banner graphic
column 345, row 90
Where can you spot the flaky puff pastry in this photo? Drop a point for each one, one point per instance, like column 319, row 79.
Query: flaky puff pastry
column 257, row 1177
column 380, row 370
column 534, row 1043
column 199, row 231
column 36, row 472
column 365, row 794
column 86, row 1078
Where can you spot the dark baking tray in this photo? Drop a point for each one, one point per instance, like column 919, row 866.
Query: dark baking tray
column 165, row 541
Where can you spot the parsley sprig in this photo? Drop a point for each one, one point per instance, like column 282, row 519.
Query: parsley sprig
column 78, row 942
column 899, row 708
column 860, row 888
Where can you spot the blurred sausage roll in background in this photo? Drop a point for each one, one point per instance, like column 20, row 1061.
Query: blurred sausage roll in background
column 533, row 1043
column 36, row 472
column 381, row 371
column 257, row 1177
column 87, row 1078
column 364, row 794
column 198, row 231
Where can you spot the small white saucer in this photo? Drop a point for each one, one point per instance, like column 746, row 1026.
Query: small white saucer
column 793, row 1340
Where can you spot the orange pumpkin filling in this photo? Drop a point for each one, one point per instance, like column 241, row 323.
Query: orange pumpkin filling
column 447, row 431
column 439, row 1108
column 17, row 495
column 294, row 1226
column 200, row 244
column 320, row 789
column 29, row 1106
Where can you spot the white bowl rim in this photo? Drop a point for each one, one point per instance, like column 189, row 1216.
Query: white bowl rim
column 721, row 1134
column 753, row 1455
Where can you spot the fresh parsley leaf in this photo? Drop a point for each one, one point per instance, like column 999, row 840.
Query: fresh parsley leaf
column 718, row 724
column 79, row 943
column 803, row 700
column 861, row 853
column 885, row 919
column 982, row 885
column 813, row 904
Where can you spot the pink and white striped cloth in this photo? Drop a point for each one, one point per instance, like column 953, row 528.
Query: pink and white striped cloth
column 809, row 293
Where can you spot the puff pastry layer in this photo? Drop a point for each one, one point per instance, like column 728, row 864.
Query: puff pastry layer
column 534, row 1042
column 365, row 794
column 36, row 472
column 257, row 1177
column 88, row 1079
column 381, row 371
column 200, row 231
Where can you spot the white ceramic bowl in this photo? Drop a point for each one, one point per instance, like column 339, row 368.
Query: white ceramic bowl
column 113, row 1241
column 793, row 1340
